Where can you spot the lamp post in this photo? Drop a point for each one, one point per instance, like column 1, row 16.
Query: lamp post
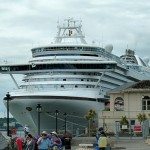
column 56, row 113
column 39, row 108
column 65, row 115
column 7, row 98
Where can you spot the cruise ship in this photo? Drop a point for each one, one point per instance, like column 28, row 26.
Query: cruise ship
column 67, row 78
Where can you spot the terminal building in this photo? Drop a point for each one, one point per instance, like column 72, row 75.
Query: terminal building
column 129, row 100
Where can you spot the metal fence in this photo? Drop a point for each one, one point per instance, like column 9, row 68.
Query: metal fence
column 141, row 130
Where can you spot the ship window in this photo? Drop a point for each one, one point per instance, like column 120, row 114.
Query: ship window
column 87, row 86
column 76, row 86
column 62, row 85
column 64, row 79
column 81, row 79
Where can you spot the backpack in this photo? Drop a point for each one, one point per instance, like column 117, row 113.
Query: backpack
column 102, row 142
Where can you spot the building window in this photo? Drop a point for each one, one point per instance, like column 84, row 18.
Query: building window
column 132, row 122
column 146, row 103
column 119, row 104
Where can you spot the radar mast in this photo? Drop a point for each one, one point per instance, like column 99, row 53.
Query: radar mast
column 70, row 30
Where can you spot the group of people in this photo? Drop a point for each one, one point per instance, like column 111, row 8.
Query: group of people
column 55, row 143
column 43, row 142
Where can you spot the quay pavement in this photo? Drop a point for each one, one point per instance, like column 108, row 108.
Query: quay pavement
column 136, row 143
column 130, row 144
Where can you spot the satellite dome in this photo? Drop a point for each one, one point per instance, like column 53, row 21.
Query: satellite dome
column 146, row 59
column 109, row 47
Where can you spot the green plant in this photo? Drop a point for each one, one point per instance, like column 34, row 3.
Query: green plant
column 124, row 121
column 141, row 117
column 90, row 116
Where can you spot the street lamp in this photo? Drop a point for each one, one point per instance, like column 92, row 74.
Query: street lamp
column 7, row 98
column 65, row 115
column 56, row 113
column 39, row 108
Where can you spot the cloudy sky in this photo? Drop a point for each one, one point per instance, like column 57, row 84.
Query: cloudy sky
column 25, row 24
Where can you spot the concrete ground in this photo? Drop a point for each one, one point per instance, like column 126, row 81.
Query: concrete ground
column 131, row 144
column 119, row 144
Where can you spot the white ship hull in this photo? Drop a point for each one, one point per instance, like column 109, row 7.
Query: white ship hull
column 75, row 109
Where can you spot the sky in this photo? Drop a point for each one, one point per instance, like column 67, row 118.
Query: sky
column 25, row 24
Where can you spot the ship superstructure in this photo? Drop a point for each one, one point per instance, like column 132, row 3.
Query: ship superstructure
column 70, row 76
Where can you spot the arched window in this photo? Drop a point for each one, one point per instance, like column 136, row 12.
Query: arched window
column 145, row 103
column 119, row 104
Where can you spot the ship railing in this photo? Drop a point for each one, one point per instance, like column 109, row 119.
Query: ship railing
column 72, row 132
column 70, row 58
column 29, row 89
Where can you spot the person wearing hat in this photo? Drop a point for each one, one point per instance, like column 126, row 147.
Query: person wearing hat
column 43, row 142
column 26, row 130
column 56, row 142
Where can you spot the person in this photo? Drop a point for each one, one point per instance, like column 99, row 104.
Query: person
column 100, row 130
column 56, row 142
column 26, row 130
column 102, row 139
column 35, row 140
column 19, row 143
column 101, row 133
column 30, row 144
column 43, row 142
